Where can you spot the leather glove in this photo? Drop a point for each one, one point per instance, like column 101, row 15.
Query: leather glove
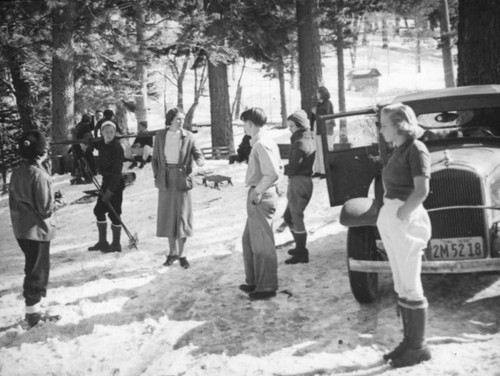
column 106, row 197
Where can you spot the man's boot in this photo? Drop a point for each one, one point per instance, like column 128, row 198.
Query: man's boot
column 416, row 351
column 102, row 244
column 115, row 245
column 301, row 254
column 404, row 343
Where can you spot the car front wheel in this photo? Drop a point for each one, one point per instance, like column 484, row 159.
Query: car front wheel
column 361, row 245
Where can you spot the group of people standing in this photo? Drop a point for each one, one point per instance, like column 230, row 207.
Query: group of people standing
column 403, row 223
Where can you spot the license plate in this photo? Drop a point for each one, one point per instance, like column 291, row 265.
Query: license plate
column 457, row 248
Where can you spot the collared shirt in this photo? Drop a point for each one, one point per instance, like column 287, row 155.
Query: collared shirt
column 408, row 160
column 172, row 146
column 264, row 163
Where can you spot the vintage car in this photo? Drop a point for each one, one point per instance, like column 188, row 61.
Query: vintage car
column 461, row 128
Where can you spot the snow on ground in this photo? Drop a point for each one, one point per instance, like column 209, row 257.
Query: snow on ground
column 126, row 314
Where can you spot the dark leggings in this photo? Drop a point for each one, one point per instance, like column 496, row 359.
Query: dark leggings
column 36, row 269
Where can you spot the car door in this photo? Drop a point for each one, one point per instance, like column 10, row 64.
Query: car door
column 350, row 167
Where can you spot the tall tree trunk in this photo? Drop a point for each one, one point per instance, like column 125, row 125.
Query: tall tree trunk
column 121, row 116
column 235, row 108
column 353, row 49
column 63, row 84
column 188, row 121
column 281, row 77
column 180, row 84
column 292, row 71
column 449, row 77
column 478, row 42
column 199, row 89
column 22, row 88
column 418, row 57
column 141, row 98
column 367, row 28
column 341, row 79
column 220, row 112
column 385, row 38
column 310, row 72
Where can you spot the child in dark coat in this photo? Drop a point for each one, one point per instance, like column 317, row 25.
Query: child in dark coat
column 110, row 167
column 300, row 186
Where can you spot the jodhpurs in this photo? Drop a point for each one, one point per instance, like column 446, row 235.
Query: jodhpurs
column 404, row 242
column 299, row 192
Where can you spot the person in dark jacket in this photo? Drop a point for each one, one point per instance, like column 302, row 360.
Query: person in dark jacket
column 108, row 115
column 324, row 107
column 110, row 166
column 300, row 186
column 83, row 152
column 244, row 149
column 32, row 205
column 142, row 148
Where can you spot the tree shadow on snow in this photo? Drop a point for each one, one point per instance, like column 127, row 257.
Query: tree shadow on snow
column 314, row 305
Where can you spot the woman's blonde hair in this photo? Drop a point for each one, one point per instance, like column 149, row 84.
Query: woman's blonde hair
column 403, row 118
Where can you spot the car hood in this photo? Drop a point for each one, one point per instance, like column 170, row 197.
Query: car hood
column 482, row 159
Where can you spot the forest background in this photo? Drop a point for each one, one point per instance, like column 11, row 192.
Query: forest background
column 63, row 58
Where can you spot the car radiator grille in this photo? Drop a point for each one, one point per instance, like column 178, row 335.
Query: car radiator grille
column 452, row 187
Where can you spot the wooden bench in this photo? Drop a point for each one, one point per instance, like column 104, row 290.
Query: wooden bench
column 216, row 152
column 216, row 179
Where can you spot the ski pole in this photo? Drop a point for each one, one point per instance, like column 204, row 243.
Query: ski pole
column 132, row 239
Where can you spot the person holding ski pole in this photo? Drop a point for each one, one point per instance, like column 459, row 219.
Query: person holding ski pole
column 32, row 204
column 110, row 166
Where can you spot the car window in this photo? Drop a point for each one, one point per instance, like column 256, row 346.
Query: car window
column 361, row 130
column 463, row 123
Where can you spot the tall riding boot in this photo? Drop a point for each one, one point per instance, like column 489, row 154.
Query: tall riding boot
column 293, row 251
column 301, row 252
column 404, row 343
column 416, row 351
column 115, row 245
column 102, row 244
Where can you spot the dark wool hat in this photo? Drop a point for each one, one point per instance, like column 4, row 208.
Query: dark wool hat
column 32, row 145
column 300, row 119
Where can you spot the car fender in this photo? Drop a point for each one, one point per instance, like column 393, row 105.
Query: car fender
column 360, row 211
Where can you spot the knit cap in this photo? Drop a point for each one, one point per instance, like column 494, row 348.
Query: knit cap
column 32, row 144
column 108, row 123
column 300, row 119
